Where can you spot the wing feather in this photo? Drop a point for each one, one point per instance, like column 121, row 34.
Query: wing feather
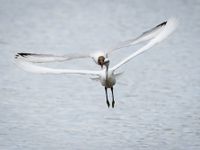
column 43, row 58
column 145, row 36
column 169, row 28
column 30, row 67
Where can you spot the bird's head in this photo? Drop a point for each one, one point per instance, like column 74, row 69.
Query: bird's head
column 101, row 60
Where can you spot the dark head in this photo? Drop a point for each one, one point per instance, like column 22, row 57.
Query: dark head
column 101, row 61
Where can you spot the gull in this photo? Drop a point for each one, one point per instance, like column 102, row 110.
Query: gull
column 98, row 56
column 107, row 75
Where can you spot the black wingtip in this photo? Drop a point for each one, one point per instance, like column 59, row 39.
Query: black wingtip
column 16, row 56
column 23, row 54
column 162, row 24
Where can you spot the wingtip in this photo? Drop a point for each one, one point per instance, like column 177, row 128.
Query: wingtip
column 171, row 20
column 21, row 54
column 16, row 56
column 162, row 24
column 25, row 54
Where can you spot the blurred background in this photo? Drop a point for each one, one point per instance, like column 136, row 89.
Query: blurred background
column 157, row 98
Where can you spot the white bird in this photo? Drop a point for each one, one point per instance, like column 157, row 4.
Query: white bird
column 107, row 75
column 98, row 56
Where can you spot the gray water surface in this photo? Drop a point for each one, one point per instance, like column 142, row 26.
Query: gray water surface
column 157, row 98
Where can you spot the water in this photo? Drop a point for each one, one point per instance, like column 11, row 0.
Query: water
column 157, row 98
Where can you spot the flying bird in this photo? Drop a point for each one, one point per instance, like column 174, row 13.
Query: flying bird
column 107, row 75
column 98, row 56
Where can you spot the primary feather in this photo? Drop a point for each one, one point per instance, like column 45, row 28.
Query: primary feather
column 30, row 67
column 168, row 29
column 145, row 36
column 42, row 58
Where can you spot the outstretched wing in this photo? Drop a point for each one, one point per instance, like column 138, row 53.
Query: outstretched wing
column 168, row 29
column 145, row 36
column 30, row 67
column 42, row 58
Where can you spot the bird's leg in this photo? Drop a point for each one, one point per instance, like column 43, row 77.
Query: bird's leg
column 113, row 100
column 107, row 97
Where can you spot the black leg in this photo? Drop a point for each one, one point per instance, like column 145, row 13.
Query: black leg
column 107, row 97
column 113, row 100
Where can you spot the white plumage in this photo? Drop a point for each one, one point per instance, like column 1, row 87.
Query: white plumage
column 107, row 75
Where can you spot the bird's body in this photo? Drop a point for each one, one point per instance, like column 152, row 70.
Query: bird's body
column 107, row 79
column 106, row 75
